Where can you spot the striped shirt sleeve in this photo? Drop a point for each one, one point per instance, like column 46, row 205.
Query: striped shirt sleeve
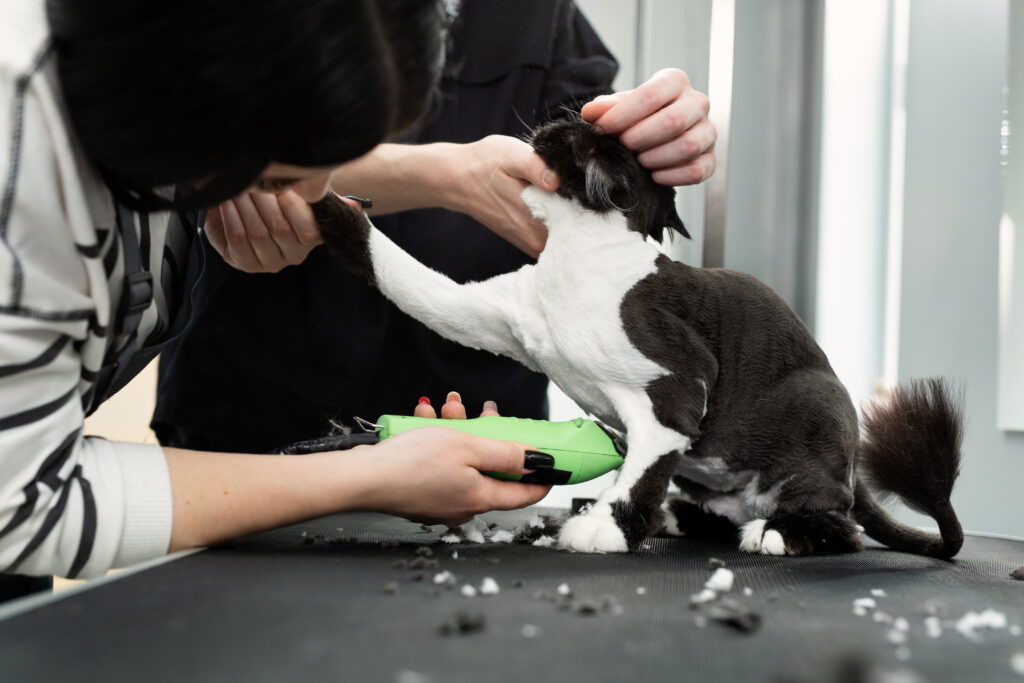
column 70, row 505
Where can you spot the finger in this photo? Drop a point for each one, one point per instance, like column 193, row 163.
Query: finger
column 633, row 107
column 512, row 495
column 696, row 141
column 300, row 216
column 424, row 409
column 258, row 233
column 453, row 408
column 527, row 165
column 510, row 457
column 239, row 250
column 690, row 173
column 269, row 208
column 213, row 226
column 596, row 108
column 490, row 408
column 665, row 124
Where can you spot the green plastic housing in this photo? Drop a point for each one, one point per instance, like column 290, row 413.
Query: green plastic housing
column 579, row 447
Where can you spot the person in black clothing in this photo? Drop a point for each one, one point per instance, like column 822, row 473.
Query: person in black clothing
column 273, row 359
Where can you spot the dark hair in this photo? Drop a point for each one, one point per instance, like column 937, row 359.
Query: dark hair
column 208, row 92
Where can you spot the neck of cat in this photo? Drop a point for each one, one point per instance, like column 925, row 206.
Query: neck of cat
column 573, row 227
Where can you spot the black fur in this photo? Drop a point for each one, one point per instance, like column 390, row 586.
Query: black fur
column 807, row 533
column 346, row 233
column 911, row 448
column 611, row 177
column 695, row 523
column 773, row 403
column 640, row 518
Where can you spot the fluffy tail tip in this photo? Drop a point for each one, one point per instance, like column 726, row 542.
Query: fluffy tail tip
column 911, row 448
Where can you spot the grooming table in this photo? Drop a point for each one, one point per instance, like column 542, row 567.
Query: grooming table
column 323, row 601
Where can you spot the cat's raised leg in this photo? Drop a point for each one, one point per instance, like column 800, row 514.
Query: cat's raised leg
column 801, row 533
column 630, row 510
column 480, row 315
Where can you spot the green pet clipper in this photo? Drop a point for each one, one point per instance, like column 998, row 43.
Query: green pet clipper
column 582, row 449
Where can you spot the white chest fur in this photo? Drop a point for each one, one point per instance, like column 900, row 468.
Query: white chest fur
column 572, row 324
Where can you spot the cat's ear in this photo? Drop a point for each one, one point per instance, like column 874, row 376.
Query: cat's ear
column 669, row 217
column 655, row 211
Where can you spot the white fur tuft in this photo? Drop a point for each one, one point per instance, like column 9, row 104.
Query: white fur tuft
column 593, row 533
column 754, row 539
column 671, row 523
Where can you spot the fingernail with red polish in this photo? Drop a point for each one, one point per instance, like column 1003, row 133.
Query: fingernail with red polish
column 424, row 400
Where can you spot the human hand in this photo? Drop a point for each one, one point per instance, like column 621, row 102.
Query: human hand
column 260, row 232
column 492, row 174
column 432, row 475
column 665, row 123
column 452, row 489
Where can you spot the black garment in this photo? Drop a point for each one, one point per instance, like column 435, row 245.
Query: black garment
column 271, row 359
column 18, row 586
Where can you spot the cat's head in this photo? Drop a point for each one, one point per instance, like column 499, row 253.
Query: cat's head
column 603, row 175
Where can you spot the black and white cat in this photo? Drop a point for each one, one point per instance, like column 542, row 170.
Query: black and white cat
column 712, row 379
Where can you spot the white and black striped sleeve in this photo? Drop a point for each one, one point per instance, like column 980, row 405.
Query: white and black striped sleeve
column 69, row 505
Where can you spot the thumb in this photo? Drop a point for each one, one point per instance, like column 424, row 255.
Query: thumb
column 511, row 495
column 502, row 456
column 531, row 168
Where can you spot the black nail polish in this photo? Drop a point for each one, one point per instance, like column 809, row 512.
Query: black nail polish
column 363, row 201
column 536, row 460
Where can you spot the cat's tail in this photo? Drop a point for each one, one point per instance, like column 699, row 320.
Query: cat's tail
column 910, row 447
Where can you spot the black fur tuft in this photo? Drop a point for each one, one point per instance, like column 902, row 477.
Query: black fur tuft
column 602, row 174
column 346, row 234
column 911, row 448
column 814, row 533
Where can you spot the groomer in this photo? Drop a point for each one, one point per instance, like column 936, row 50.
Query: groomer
column 119, row 122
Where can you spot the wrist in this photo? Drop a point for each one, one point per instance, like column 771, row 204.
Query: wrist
column 433, row 170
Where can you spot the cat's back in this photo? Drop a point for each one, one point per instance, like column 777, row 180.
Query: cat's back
column 734, row 312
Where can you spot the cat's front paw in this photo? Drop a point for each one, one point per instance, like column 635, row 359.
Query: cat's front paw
column 754, row 539
column 593, row 533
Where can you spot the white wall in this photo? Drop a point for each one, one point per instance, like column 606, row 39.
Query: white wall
column 948, row 323
column 854, row 178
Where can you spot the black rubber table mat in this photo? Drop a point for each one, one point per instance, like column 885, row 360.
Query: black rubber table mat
column 324, row 601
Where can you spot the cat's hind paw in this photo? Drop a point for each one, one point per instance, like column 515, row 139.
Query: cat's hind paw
column 801, row 533
column 593, row 533
column 755, row 539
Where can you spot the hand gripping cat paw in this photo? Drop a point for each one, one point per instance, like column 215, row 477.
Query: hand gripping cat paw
column 594, row 532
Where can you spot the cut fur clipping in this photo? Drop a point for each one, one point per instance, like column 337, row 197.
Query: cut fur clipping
column 910, row 447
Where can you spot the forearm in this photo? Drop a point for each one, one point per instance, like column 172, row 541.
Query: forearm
column 400, row 177
column 218, row 496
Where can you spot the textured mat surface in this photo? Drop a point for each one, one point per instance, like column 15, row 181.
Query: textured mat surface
column 332, row 605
